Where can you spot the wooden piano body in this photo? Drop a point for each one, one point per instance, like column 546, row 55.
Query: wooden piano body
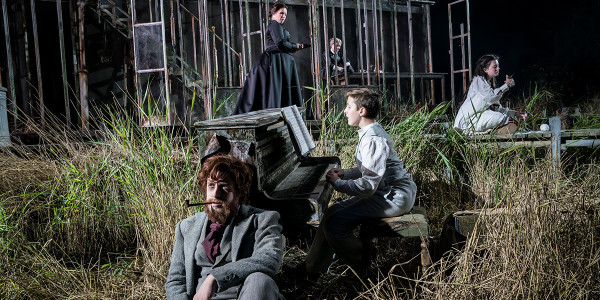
column 277, row 144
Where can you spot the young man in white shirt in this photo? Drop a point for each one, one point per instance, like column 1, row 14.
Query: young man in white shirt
column 379, row 185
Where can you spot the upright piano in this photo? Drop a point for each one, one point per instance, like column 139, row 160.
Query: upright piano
column 277, row 145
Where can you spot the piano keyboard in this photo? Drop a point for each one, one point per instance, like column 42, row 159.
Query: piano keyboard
column 303, row 182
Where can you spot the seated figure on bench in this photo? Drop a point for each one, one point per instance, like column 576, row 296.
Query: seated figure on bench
column 481, row 110
column 335, row 63
column 379, row 185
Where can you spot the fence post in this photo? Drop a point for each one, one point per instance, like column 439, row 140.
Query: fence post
column 4, row 133
column 556, row 141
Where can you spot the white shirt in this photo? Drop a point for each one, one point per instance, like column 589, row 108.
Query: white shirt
column 377, row 165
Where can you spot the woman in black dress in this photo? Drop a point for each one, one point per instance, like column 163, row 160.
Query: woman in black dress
column 273, row 81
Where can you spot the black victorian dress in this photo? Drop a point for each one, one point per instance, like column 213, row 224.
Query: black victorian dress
column 273, row 81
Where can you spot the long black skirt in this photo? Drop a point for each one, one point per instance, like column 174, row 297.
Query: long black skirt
column 272, row 83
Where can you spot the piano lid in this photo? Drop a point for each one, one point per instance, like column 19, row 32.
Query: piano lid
column 253, row 119
column 302, row 139
column 249, row 120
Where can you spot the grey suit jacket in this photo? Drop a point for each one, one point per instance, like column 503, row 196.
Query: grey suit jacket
column 256, row 246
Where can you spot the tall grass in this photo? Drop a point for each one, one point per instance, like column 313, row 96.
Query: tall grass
column 543, row 245
column 96, row 219
column 95, row 206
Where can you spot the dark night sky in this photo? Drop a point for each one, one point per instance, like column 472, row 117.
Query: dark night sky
column 552, row 43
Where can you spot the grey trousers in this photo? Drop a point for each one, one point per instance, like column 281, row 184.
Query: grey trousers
column 259, row 286
column 335, row 234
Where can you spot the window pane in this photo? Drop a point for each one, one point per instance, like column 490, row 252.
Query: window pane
column 149, row 47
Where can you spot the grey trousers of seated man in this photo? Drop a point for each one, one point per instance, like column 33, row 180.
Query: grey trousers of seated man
column 335, row 234
column 256, row 286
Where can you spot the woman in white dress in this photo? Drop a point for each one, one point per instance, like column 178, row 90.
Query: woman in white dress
column 481, row 110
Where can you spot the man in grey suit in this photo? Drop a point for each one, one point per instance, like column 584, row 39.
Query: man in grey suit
column 231, row 250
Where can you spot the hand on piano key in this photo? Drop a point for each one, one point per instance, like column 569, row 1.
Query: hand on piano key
column 334, row 174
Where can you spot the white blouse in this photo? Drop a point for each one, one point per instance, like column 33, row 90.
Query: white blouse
column 475, row 113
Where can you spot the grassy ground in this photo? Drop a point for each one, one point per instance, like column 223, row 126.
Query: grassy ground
column 96, row 220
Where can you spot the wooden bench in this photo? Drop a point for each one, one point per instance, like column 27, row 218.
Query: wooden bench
column 414, row 224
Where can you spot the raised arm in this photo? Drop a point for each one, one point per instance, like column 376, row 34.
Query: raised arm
column 484, row 89
column 492, row 96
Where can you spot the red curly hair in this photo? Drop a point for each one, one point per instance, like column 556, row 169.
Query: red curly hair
column 225, row 165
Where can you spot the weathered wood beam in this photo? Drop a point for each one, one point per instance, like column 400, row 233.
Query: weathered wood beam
column 351, row 4
column 412, row 224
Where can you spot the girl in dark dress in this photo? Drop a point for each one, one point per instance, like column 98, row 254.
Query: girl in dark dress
column 273, row 81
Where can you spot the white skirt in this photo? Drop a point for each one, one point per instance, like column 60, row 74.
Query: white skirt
column 487, row 120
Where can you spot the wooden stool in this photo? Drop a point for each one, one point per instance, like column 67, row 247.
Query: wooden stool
column 413, row 224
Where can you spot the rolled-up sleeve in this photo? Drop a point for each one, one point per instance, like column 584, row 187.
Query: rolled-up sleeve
column 352, row 173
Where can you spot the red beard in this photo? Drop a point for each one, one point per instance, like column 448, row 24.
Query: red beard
column 222, row 213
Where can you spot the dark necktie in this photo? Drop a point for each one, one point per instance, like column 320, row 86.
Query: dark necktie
column 212, row 240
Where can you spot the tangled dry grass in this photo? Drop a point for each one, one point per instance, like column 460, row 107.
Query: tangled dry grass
column 96, row 220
